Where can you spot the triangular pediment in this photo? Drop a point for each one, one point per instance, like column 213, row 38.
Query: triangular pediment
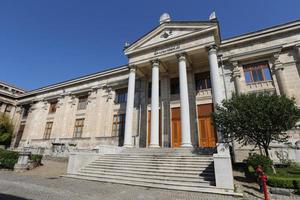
column 169, row 32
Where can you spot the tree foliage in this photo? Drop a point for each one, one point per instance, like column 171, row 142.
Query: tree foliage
column 256, row 119
column 6, row 130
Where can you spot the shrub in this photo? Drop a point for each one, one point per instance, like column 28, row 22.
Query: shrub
column 8, row 159
column 250, row 173
column 6, row 130
column 36, row 158
column 254, row 160
column 284, row 182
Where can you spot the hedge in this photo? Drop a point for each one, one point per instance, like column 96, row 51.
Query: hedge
column 8, row 159
column 284, row 182
column 36, row 158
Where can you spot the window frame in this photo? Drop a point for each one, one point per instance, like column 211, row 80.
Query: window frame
column 8, row 109
column 53, row 107
column 118, row 124
column 25, row 111
column 256, row 67
column 82, row 102
column 174, row 82
column 48, row 130
column 121, row 95
column 204, row 76
column 78, row 126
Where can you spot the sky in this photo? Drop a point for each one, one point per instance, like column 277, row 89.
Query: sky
column 44, row 42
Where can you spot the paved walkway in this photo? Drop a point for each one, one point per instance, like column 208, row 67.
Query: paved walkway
column 45, row 183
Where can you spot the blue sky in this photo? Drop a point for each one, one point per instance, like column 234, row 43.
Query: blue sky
column 47, row 41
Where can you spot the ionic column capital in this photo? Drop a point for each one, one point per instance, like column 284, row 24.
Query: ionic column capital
column 212, row 49
column 181, row 56
column 236, row 72
column 132, row 67
column 155, row 62
column 277, row 64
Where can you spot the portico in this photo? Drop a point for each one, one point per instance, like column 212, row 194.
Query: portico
column 175, row 50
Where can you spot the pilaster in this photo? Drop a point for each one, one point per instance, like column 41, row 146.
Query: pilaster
column 236, row 75
column 278, row 70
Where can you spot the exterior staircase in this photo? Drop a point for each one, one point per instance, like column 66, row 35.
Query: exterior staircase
column 178, row 169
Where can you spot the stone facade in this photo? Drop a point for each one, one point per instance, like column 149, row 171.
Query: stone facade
column 173, row 50
column 8, row 100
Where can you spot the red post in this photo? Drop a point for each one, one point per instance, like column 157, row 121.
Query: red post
column 264, row 179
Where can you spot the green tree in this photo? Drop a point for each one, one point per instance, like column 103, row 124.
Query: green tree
column 6, row 130
column 256, row 119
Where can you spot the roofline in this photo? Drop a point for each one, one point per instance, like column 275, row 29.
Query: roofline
column 74, row 81
column 258, row 32
column 14, row 87
column 170, row 22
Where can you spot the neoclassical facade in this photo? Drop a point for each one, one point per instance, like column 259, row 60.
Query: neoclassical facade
column 164, row 96
column 8, row 99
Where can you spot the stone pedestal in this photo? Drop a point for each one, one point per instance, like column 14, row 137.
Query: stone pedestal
column 23, row 162
column 223, row 167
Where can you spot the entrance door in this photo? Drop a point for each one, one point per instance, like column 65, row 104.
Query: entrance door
column 176, row 127
column 149, row 128
column 206, row 132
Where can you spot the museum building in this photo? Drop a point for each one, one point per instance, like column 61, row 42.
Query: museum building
column 176, row 74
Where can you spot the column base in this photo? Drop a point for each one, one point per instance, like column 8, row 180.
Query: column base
column 188, row 145
column 154, row 146
column 127, row 146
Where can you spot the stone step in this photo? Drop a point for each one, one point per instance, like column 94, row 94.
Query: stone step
column 208, row 175
column 163, row 156
column 145, row 180
column 153, row 163
column 159, row 160
column 166, row 170
column 194, row 179
column 211, row 189
column 149, row 166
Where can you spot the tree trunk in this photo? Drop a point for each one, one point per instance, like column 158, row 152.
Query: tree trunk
column 266, row 151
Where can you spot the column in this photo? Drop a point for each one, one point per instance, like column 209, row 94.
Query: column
column 154, row 140
column 278, row 70
column 236, row 75
column 184, row 103
column 129, row 107
column 216, row 83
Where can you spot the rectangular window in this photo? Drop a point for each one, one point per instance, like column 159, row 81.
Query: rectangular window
column 174, row 86
column 78, row 129
column 25, row 111
column 8, row 108
column 118, row 125
column 82, row 102
column 48, row 129
column 257, row 72
column 121, row 95
column 53, row 106
column 202, row 81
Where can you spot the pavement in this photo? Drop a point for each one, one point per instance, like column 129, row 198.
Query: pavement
column 46, row 183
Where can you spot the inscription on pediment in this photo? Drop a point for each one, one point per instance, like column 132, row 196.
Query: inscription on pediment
column 166, row 50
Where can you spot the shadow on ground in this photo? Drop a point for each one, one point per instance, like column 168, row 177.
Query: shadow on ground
column 11, row 197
